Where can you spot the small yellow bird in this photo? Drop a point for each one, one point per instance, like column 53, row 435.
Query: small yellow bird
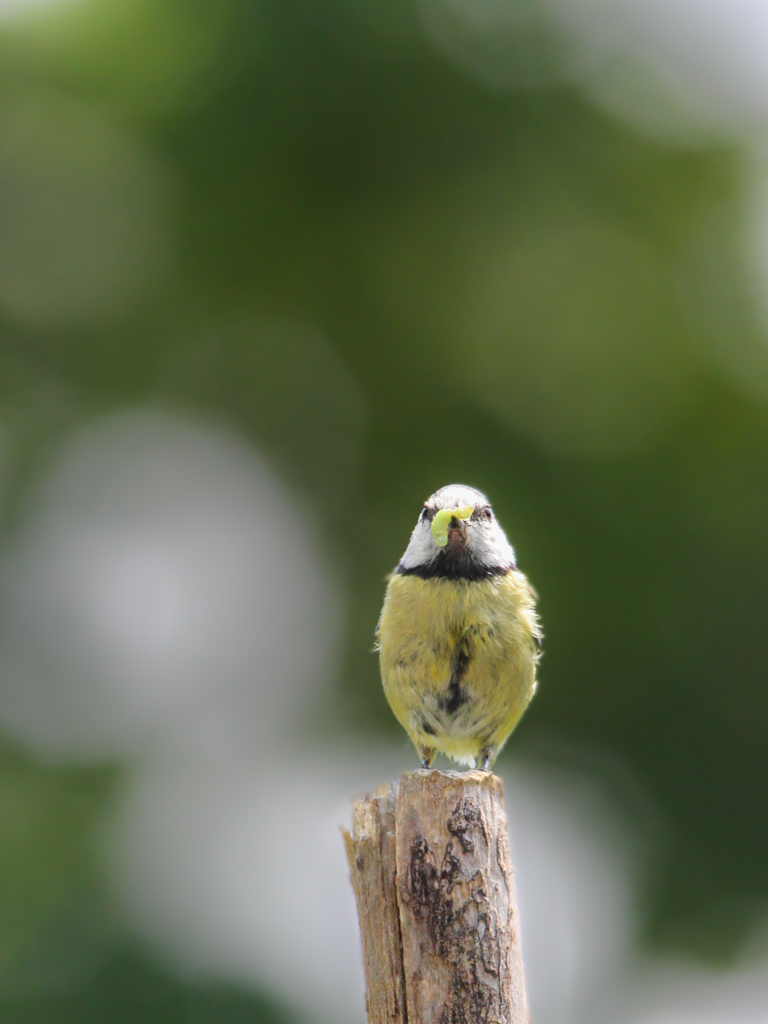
column 458, row 636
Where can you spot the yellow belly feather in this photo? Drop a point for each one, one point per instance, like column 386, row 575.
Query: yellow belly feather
column 458, row 660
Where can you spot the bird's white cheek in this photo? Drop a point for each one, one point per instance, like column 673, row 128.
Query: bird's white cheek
column 422, row 547
column 478, row 544
column 487, row 547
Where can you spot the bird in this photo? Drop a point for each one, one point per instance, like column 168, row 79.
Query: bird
column 458, row 636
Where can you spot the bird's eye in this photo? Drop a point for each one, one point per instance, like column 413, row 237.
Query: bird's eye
column 487, row 513
column 424, row 513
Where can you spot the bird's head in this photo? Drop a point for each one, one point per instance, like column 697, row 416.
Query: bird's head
column 457, row 535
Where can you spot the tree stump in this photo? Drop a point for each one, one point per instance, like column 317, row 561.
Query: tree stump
column 436, row 901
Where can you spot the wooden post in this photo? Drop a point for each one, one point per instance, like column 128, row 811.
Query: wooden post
column 436, row 901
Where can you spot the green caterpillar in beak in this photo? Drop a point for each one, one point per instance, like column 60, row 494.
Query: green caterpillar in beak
column 442, row 519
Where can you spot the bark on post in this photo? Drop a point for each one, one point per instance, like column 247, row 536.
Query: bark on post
column 436, row 901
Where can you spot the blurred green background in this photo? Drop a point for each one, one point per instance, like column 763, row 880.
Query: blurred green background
column 393, row 248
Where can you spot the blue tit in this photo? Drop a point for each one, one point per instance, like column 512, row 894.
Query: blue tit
column 458, row 637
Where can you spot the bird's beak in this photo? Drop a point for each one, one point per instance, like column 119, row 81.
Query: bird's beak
column 449, row 519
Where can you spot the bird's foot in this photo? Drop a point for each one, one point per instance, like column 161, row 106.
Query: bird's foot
column 427, row 755
column 486, row 759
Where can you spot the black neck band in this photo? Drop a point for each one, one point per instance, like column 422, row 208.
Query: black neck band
column 454, row 567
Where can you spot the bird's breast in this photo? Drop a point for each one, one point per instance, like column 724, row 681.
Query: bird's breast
column 437, row 612
column 458, row 659
column 453, row 639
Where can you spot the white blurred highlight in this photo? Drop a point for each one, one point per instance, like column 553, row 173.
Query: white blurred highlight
column 165, row 583
column 683, row 994
column 18, row 10
column 677, row 68
column 235, row 870
column 575, row 876
column 709, row 55
column 84, row 218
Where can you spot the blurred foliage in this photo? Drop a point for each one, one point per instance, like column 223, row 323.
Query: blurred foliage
column 498, row 286
column 53, row 917
column 128, row 988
